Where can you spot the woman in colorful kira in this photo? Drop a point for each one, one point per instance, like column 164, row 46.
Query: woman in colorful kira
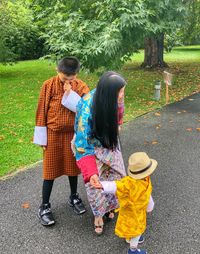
column 97, row 150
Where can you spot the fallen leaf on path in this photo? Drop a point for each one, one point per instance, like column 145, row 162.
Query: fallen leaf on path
column 158, row 126
column 157, row 114
column 189, row 129
column 184, row 111
column 178, row 112
column 198, row 129
column 190, row 99
column 154, row 142
column 25, row 205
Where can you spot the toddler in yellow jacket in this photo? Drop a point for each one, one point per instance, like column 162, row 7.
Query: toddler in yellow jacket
column 134, row 195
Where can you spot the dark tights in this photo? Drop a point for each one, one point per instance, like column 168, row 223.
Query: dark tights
column 48, row 184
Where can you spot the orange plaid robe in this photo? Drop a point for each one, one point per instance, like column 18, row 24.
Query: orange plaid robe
column 58, row 159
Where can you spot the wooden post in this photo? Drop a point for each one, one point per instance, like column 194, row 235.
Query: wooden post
column 167, row 93
column 168, row 81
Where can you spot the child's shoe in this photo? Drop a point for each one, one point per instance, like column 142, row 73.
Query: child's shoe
column 45, row 215
column 136, row 251
column 141, row 240
column 76, row 203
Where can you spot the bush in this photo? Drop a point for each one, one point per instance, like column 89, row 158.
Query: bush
column 20, row 37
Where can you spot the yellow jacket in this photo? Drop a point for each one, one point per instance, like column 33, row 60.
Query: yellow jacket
column 133, row 196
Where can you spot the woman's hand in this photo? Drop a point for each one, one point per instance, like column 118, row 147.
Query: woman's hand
column 94, row 181
column 43, row 147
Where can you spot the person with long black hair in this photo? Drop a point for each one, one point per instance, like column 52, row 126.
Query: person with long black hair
column 96, row 142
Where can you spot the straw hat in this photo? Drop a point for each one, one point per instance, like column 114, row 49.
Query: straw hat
column 140, row 165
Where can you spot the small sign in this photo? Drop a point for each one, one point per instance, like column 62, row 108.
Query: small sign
column 167, row 78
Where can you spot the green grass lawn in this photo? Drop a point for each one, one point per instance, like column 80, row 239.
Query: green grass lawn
column 20, row 85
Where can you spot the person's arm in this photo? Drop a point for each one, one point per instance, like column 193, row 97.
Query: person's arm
column 85, row 155
column 109, row 186
column 40, row 131
column 118, row 187
column 150, row 206
column 71, row 98
column 88, row 167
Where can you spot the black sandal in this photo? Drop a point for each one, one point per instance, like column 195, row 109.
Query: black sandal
column 110, row 215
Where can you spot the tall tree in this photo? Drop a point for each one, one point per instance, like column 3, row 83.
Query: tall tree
column 106, row 33
column 166, row 16
column 101, row 33
column 154, row 51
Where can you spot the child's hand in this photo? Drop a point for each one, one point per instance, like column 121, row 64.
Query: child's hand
column 67, row 87
column 43, row 147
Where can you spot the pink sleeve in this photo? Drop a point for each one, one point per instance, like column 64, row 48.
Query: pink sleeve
column 88, row 167
column 120, row 113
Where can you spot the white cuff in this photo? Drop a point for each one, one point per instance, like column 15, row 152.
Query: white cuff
column 70, row 101
column 40, row 135
column 150, row 205
column 109, row 186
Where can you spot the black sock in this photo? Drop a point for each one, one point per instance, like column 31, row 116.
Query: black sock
column 46, row 191
column 73, row 181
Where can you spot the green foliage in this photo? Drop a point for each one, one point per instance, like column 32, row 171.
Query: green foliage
column 164, row 16
column 172, row 40
column 99, row 33
column 6, row 28
column 19, row 38
column 190, row 33
column 104, row 33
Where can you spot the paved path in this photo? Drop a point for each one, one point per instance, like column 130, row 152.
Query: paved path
column 174, row 226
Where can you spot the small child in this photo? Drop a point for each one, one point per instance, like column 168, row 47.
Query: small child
column 134, row 195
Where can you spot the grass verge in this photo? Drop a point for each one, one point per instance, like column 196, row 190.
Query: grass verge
column 20, row 85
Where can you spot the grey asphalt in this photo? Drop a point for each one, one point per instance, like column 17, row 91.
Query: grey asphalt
column 169, row 136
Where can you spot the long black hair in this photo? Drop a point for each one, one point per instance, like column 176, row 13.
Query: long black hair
column 105, row 109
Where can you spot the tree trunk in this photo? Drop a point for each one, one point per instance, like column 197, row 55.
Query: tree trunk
column 153, row 54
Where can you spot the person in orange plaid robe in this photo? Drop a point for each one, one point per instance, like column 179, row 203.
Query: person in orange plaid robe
column 54, row 131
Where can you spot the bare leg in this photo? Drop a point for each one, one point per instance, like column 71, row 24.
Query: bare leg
column 98, row 224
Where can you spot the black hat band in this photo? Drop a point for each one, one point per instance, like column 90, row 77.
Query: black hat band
column 142, row 170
